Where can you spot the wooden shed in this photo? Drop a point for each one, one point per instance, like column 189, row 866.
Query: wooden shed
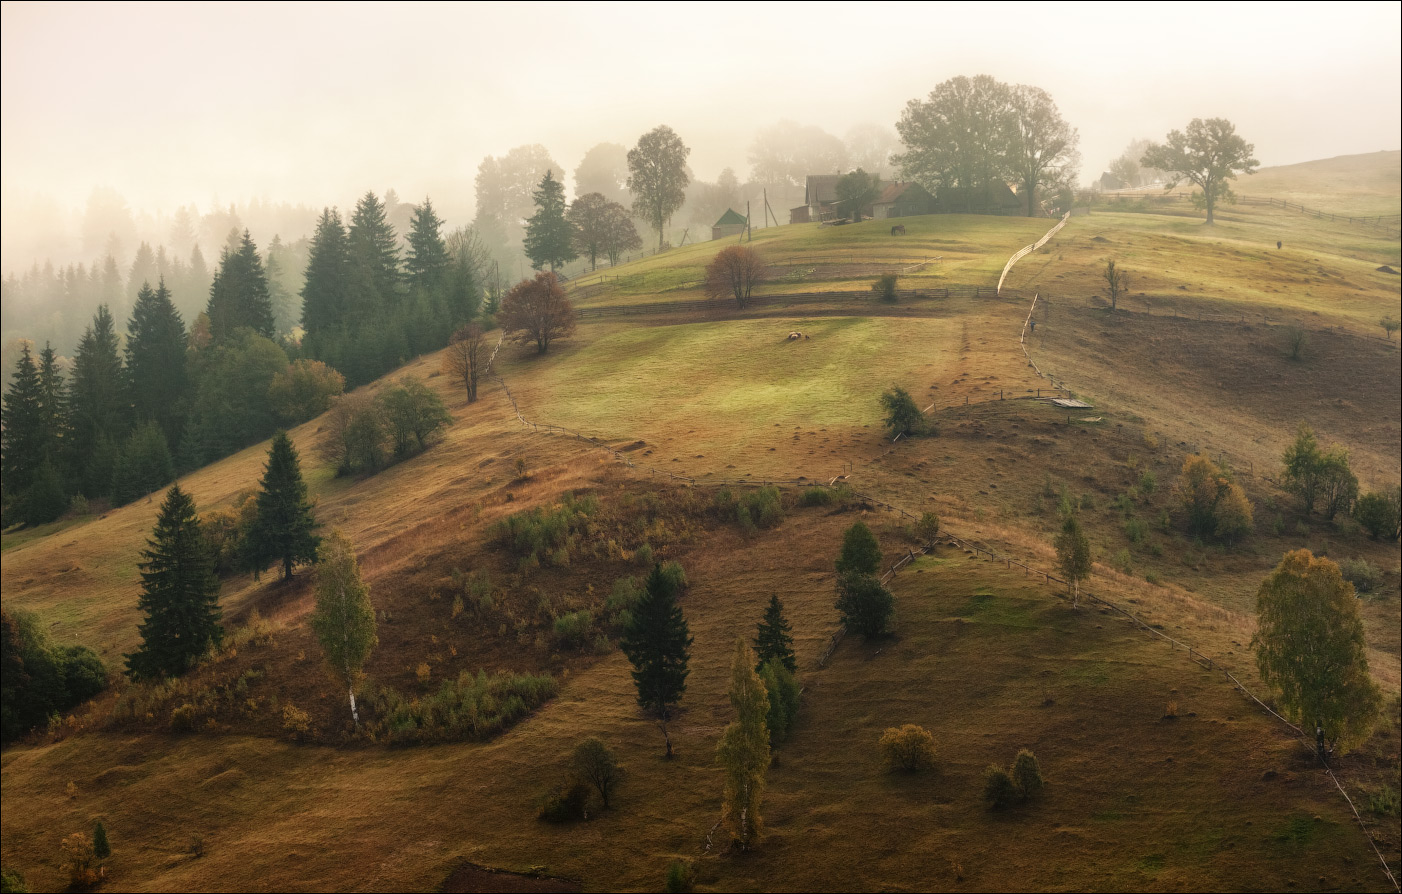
column 730, row 224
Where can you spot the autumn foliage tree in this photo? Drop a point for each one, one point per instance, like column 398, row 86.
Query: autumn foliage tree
column 733, row 273
column 1310, row 649
column 536, row 311
column 344, row 618
column 466, row 358
column 602, row 228
column 744, row 750
column 1215, row 504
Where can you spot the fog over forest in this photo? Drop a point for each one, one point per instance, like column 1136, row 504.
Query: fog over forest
column 126, row 124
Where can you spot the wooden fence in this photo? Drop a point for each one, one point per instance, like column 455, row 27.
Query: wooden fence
column 1028, row 249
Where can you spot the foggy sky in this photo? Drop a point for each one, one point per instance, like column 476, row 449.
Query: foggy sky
column 173, row 104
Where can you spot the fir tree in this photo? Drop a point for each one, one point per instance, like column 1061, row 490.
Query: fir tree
column 101, row 847
column 549, row 236
column 658, row 645
column 22, row 434
column 374, row 259
column 239, row 296
column 157, row 381
column 282, row 530
column 180, row 593
column 53, row 406
column 774, row 640
column 143, row 466
column 97, row 410
column 744, row 750
column 427, row 263
column 327, row 269
column 344, row 619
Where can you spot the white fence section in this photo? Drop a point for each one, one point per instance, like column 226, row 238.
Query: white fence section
column 1028, row 249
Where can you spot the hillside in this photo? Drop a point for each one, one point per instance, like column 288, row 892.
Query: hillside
column 1161, row 774
column 1368, row 184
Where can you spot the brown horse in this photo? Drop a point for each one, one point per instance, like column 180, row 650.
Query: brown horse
column 898, row 230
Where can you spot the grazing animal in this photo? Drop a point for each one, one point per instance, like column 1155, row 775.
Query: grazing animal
column 795, row 336
column 898, row 230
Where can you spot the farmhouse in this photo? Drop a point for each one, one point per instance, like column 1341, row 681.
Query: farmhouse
column 995, row 198
column 730, row 224
column 903, row 200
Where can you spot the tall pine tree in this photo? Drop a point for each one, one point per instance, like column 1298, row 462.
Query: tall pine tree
column 180, row 593
column 774, row 641
column 374, row 260
column 157, row 381
column 323, row 293
column 22, row 434
column 658, row 645
column 97, row 406
column 239, row 296
column 549, row 236
column 426, row 266
column 282, row 529
column 53, row 406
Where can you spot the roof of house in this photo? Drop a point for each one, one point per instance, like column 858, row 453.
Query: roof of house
column 895, row 191
column 821, row 188
column 997, row 193
column 730, row 219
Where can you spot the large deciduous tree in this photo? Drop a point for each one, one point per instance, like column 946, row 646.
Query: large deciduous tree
column 537, row 311
column 1208, row 155
column 657, row 176
column 549, row 236
column 1310, row 649
column 785, row 154
column 959, row 135
column 855, row 191
column 592, row 218
column 604, row 170
column 1043, row 149
column 180, row 593
column 283, row 530
column 658, row 645
column 733, row 273
column 344, row 618
column 743, row 751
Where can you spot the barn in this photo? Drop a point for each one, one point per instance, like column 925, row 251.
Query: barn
column 730, row 224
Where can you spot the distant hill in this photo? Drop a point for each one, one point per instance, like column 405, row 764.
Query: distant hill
column 1347, row 184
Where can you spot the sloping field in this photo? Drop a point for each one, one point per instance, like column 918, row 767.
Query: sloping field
column 988, row 660
column 1368, row 184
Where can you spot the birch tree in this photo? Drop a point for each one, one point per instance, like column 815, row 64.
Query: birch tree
column 344, row 619
column 744, row 749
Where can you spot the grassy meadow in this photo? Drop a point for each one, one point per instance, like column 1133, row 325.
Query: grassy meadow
column 1161, row 776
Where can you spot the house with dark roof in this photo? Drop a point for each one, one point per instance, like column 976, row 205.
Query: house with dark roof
column 730, row 224
column 995, row 198
column 902, row 200
column 820, row 195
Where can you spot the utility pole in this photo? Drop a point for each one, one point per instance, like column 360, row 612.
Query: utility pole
column 749, row 231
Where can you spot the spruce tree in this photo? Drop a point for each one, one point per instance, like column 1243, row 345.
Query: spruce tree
column 658, row 645
column 744, row 750
column 549, row 236
column 101, row 847
column 774, row 640
column 327, row 268
column 97, row 408
column 157, row 381
column 53, row 406
column 282, row 530
column 426, row 266
column 374, row 258
column 180, row 593
column 22, row 434
column 344, row 618
column 143, row 466
column 239, row 296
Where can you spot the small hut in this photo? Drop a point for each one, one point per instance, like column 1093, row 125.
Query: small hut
column 730, row 224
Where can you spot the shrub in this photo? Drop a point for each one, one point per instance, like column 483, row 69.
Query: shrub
column 1123, row 563
column 182, row 718
column 295, row 721
column 864, row 604
column 572, row 630
column 1148, row 482
column 644, row 555
column 1152, row 577
column 1380, row 513
column 764, row 507
column 907, row 748
column 79, row 860
column 680, row 876
column 928, row 528
column 903, row 417
column 1136, row 530
column 1364, row 575
column 675, row 575
column 545, row 535
column 1384, row 801
column 1087, row 501
column 468, row 708
column 885, row 287
column 566, row 803
column 999, row 790
column 304, row 389
column 817, row 496
column 593, row 763
column 12, row 882
column 413, row 415
column 1027, row 776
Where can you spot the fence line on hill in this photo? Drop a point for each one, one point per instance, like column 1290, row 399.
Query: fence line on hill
column 1388, row 223
column 1028, row 249
column 781, row 299
column 1198, row 657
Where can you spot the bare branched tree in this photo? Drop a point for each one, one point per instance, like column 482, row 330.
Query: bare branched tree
column 734, row 272
column 466, row 357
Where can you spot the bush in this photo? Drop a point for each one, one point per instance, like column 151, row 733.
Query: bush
column 566, row 803
column 864, row 604
column 593, row 763
column 783, row 691
column 680, row 876
column 12, row 882
column 1384, row 801
column 1122, row 562
column 413, row 415
column 572, row 630
column 644, row 555
column 907, row 748
column 545, row 536
column 1380, row 513
column 817, row 496
column 885, row 287
column 79, row 861
column 999, row 790
column 468, row 708
column 1148, row 482
column 903, row 417
column 1027, row 776
column 928, row 528
column 764, row 507
column 1136, row 530
column 41, row 679
column 1364, row 575
column 304, row 389
column 295, row 721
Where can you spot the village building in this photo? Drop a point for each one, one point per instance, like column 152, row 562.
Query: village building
column 902, row 200
column 730, row 224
